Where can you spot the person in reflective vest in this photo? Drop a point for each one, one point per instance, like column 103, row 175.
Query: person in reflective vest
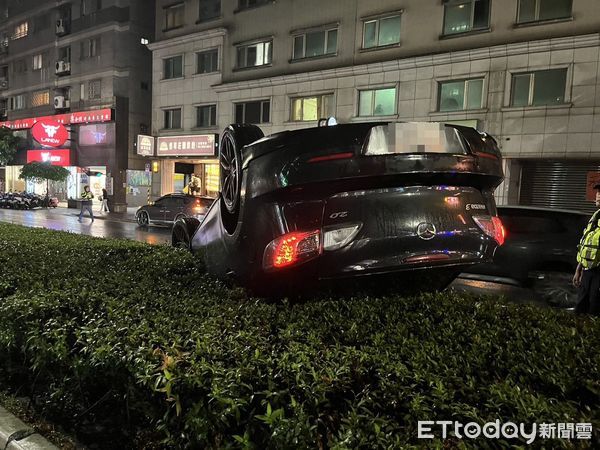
column 587, row 274
column 86, row 203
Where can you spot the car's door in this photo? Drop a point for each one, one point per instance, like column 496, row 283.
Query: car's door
column 155, row 211
column 173, row 207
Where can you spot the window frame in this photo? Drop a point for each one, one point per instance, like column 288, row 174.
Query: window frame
column 245, row 103
column 168, row 110
column 23, row 32
column 241, row 7
column 201, row 20
column 246, row 46
column 90, row 91
column 172, row 7
column 510, row 90
column 38, row 57
column 465, row 95
column 23, row 102
column 205, row 51
column 378, row 19
column 326, row 31
column 164, row 71
column 207, row 105
column 537, row 14
column 472, row 19
column 319, row 98
column 374, row 89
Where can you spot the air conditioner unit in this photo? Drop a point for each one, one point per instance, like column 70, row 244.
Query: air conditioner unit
column 63, row 67
column 3, row 83
column 61, row 27
column 60, row 102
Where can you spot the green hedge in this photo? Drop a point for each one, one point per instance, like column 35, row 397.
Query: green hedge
column 139, row 338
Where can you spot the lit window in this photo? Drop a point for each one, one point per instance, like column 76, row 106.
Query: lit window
column 206, row 116
column 544, row 87
column 40, row 98
column 18, row 102
column 460, row 95
column 174, row 16
column 21, row 30
column 381, row 32
column 312, row 108
column 173, row 67
column 461, row 16
column 316, row 43
column 207, row 61
column 257, row 54
column 37, row 62
column 144, row 41
column 538, row 10
column 253, row 112
column 377, row 102
column 172, row 118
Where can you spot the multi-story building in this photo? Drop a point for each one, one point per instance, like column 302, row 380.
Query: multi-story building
column 83, row 64
column 525, row 71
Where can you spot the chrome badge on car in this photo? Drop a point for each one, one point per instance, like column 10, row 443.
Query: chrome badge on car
column 426, row 231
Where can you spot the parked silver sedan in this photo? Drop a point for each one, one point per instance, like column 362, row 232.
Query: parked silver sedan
column 172, row 207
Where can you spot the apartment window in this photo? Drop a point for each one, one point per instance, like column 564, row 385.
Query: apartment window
column 461, row 16
column 209, row 9
column 207, row 61
column 174, row 16
column 312, row 108
column 381, row 32
column 40, row 98
column 38, row 61
column 206, row 116
column 316, row 43
column 90, row 48
column 544, row 87
column 377, row 102
column 257, row 54
column 21, row 30
column 253, row 112
column 460, row 94
column 244, row 4
column 539, row 10
column 172, row 118
column 173, row 67
column 17, row 102
column 20, row 66
column 94, row 90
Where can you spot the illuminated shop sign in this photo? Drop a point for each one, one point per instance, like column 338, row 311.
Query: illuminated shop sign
column 196, row 145
column 56, row 157
column 145, row 145
column 95, row 116
column 50, row 133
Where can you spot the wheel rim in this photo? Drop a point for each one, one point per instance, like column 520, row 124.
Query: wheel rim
column 143, row 218
column 229, row 172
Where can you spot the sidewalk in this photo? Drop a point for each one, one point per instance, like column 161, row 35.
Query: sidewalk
column 128, row 216
column 15, row 435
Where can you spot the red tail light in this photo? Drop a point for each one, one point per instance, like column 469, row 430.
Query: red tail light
column 492, row 226
column 292, row 248
column 332, row 157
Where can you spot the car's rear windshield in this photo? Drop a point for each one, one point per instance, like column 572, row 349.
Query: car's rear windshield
column 413, row 137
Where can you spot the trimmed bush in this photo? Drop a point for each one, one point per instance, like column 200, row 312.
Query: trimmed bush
column 137, row 338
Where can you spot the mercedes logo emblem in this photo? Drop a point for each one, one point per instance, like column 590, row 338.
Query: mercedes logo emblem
column 426, row 231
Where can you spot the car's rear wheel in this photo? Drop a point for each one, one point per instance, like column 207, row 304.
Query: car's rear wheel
column 555, row 288
column 234, row 138
column 143, row 219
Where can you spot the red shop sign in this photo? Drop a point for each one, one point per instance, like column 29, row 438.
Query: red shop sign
column 55, row 157
column 93, row 116
column 49, row 132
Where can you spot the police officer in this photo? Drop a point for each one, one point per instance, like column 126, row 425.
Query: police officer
column 587, row 274
column 86, row 203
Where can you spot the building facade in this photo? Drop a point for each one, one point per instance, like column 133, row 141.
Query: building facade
column 83, row 64
column 525, row 71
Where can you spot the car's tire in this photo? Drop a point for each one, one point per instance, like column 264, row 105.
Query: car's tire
column 555, row 288
column 183, row 231
column 178, row 217
column 143, row 219
column 233, row 140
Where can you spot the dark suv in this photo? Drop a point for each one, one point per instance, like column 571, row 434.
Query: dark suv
column 172, row 207
column 539, row 251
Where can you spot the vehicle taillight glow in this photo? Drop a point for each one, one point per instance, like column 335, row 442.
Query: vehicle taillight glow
column 292, row 248
column 332, row 157
column 492, row 226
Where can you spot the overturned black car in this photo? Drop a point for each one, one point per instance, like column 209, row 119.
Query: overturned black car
column 375, row 203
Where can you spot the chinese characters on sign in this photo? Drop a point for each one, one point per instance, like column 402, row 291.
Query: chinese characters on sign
column 98, row 115
column 196, row 145
column 145, row 145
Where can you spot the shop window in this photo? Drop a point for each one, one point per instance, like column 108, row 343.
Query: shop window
column 206, row 116
column 173, row 67
column 40, row 98
column 544, row 87
column 18, row 102
column 94, row 90
column 172, row 118
column 381, row 32
column 245, row 4
column 377, row 102
column 207, row 61
column 462, row 16
column 539, row 10
column 316, row 43
column 37, row 62
column 174, row 16
column 253, row 112
column 21, row 30
column 209, row 9
column 460, row 95
column 312, row 108
column 256, row 54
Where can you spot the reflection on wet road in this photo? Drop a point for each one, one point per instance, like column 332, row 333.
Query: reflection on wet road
column 56, row 219
column 513, row 293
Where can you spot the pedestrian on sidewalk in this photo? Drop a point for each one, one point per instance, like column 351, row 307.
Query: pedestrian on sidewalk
column 104, row 198
column 587, row 274
column 86, row 203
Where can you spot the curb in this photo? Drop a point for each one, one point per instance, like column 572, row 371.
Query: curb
column 15, row 435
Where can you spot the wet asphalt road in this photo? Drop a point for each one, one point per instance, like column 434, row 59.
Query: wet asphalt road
column 110, row 226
